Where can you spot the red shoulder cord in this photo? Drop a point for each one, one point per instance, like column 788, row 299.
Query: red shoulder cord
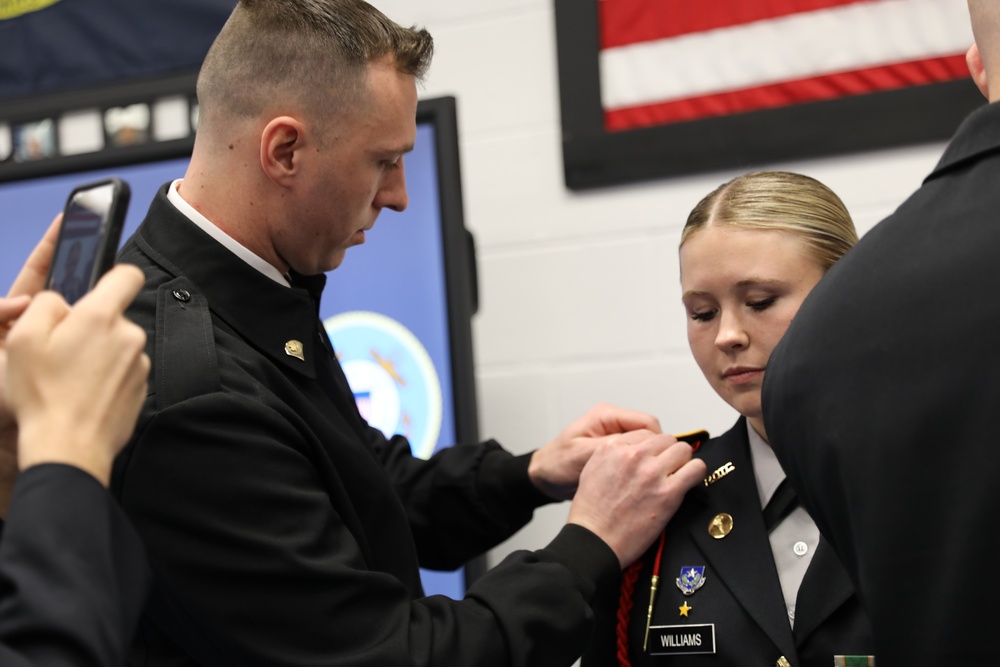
column 625, row 602
column 629, row 577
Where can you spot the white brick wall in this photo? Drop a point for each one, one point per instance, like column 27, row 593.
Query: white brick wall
column 579, row 292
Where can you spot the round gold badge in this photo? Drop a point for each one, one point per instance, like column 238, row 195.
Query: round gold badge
column 720, row 526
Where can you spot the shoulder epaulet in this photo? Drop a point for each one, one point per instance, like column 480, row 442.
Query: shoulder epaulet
column 186, row 364
column 694, row 438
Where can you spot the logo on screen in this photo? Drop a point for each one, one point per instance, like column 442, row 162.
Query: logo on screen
column 394, row 381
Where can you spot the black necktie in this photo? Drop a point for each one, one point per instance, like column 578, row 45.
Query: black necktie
column 780, row 505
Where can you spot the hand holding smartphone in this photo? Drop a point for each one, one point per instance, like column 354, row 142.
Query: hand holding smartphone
column 88, row 239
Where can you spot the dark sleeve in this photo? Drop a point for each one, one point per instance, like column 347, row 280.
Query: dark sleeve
column 463, row 501
column 243, row 529
column 73, row 574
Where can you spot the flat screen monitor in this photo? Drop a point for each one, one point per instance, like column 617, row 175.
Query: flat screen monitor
column 398, row 309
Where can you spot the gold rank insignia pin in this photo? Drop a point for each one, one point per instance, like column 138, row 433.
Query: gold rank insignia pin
column 293, row 348
column 719, row 473
column 684, row 608
column 720, row 526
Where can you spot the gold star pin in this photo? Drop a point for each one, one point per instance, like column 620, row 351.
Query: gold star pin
column 293, row 348
column 684, row 609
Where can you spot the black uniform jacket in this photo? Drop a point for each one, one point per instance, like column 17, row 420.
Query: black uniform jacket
column 882, row 401
column 73, row 574
column 282, row 529
column 738, row 615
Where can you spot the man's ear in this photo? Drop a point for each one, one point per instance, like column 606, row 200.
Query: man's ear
column 978, row 71
column 281, row 144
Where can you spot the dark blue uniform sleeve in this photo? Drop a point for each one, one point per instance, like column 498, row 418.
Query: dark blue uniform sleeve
column 73, row 574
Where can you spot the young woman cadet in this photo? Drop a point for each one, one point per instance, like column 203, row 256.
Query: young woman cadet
column 743, row 576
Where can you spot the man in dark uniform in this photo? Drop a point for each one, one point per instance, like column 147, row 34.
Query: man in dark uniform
column 881, row 400
column 73, row 575
column 281, row 527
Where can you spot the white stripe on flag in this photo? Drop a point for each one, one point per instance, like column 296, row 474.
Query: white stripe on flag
column 856, row 36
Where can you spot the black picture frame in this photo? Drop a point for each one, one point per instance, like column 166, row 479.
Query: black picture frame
column 100, row 98
column 593, row 157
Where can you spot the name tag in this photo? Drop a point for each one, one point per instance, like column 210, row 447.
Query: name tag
column 681, row 639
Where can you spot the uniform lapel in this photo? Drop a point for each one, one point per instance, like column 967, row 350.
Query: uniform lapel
column 824, row 589
column 275, row 317
column 329, row 372
column 741, row 560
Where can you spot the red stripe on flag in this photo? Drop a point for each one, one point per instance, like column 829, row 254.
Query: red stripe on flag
column 815, row 89
column 624, row 22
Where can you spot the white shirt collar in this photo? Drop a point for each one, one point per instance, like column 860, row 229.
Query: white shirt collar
column 767, row 471
column 225, row 239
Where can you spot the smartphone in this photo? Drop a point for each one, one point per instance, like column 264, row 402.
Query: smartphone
column 89, row 236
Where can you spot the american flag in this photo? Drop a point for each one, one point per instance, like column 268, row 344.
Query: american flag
column 667, row 61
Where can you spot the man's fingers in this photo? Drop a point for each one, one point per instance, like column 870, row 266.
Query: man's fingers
column 46, row 311
column 31, row 278
column 635, row 437
column 623, row 486
column 675, row 455
column 690, row 474
column 117, row 288
column 612, row 419
column 11, row 309
column 679, row 464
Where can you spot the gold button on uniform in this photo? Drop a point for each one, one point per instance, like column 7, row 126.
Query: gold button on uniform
column 720, row 526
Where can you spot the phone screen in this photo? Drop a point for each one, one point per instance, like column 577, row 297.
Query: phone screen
column 81, row 241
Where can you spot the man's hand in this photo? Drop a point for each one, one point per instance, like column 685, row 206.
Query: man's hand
column 10, row 310
column 76, row 378
column 632, row 487
column 555, row 468
column 30, row 280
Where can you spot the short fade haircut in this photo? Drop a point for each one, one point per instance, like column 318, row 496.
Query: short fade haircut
column 310, row 52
